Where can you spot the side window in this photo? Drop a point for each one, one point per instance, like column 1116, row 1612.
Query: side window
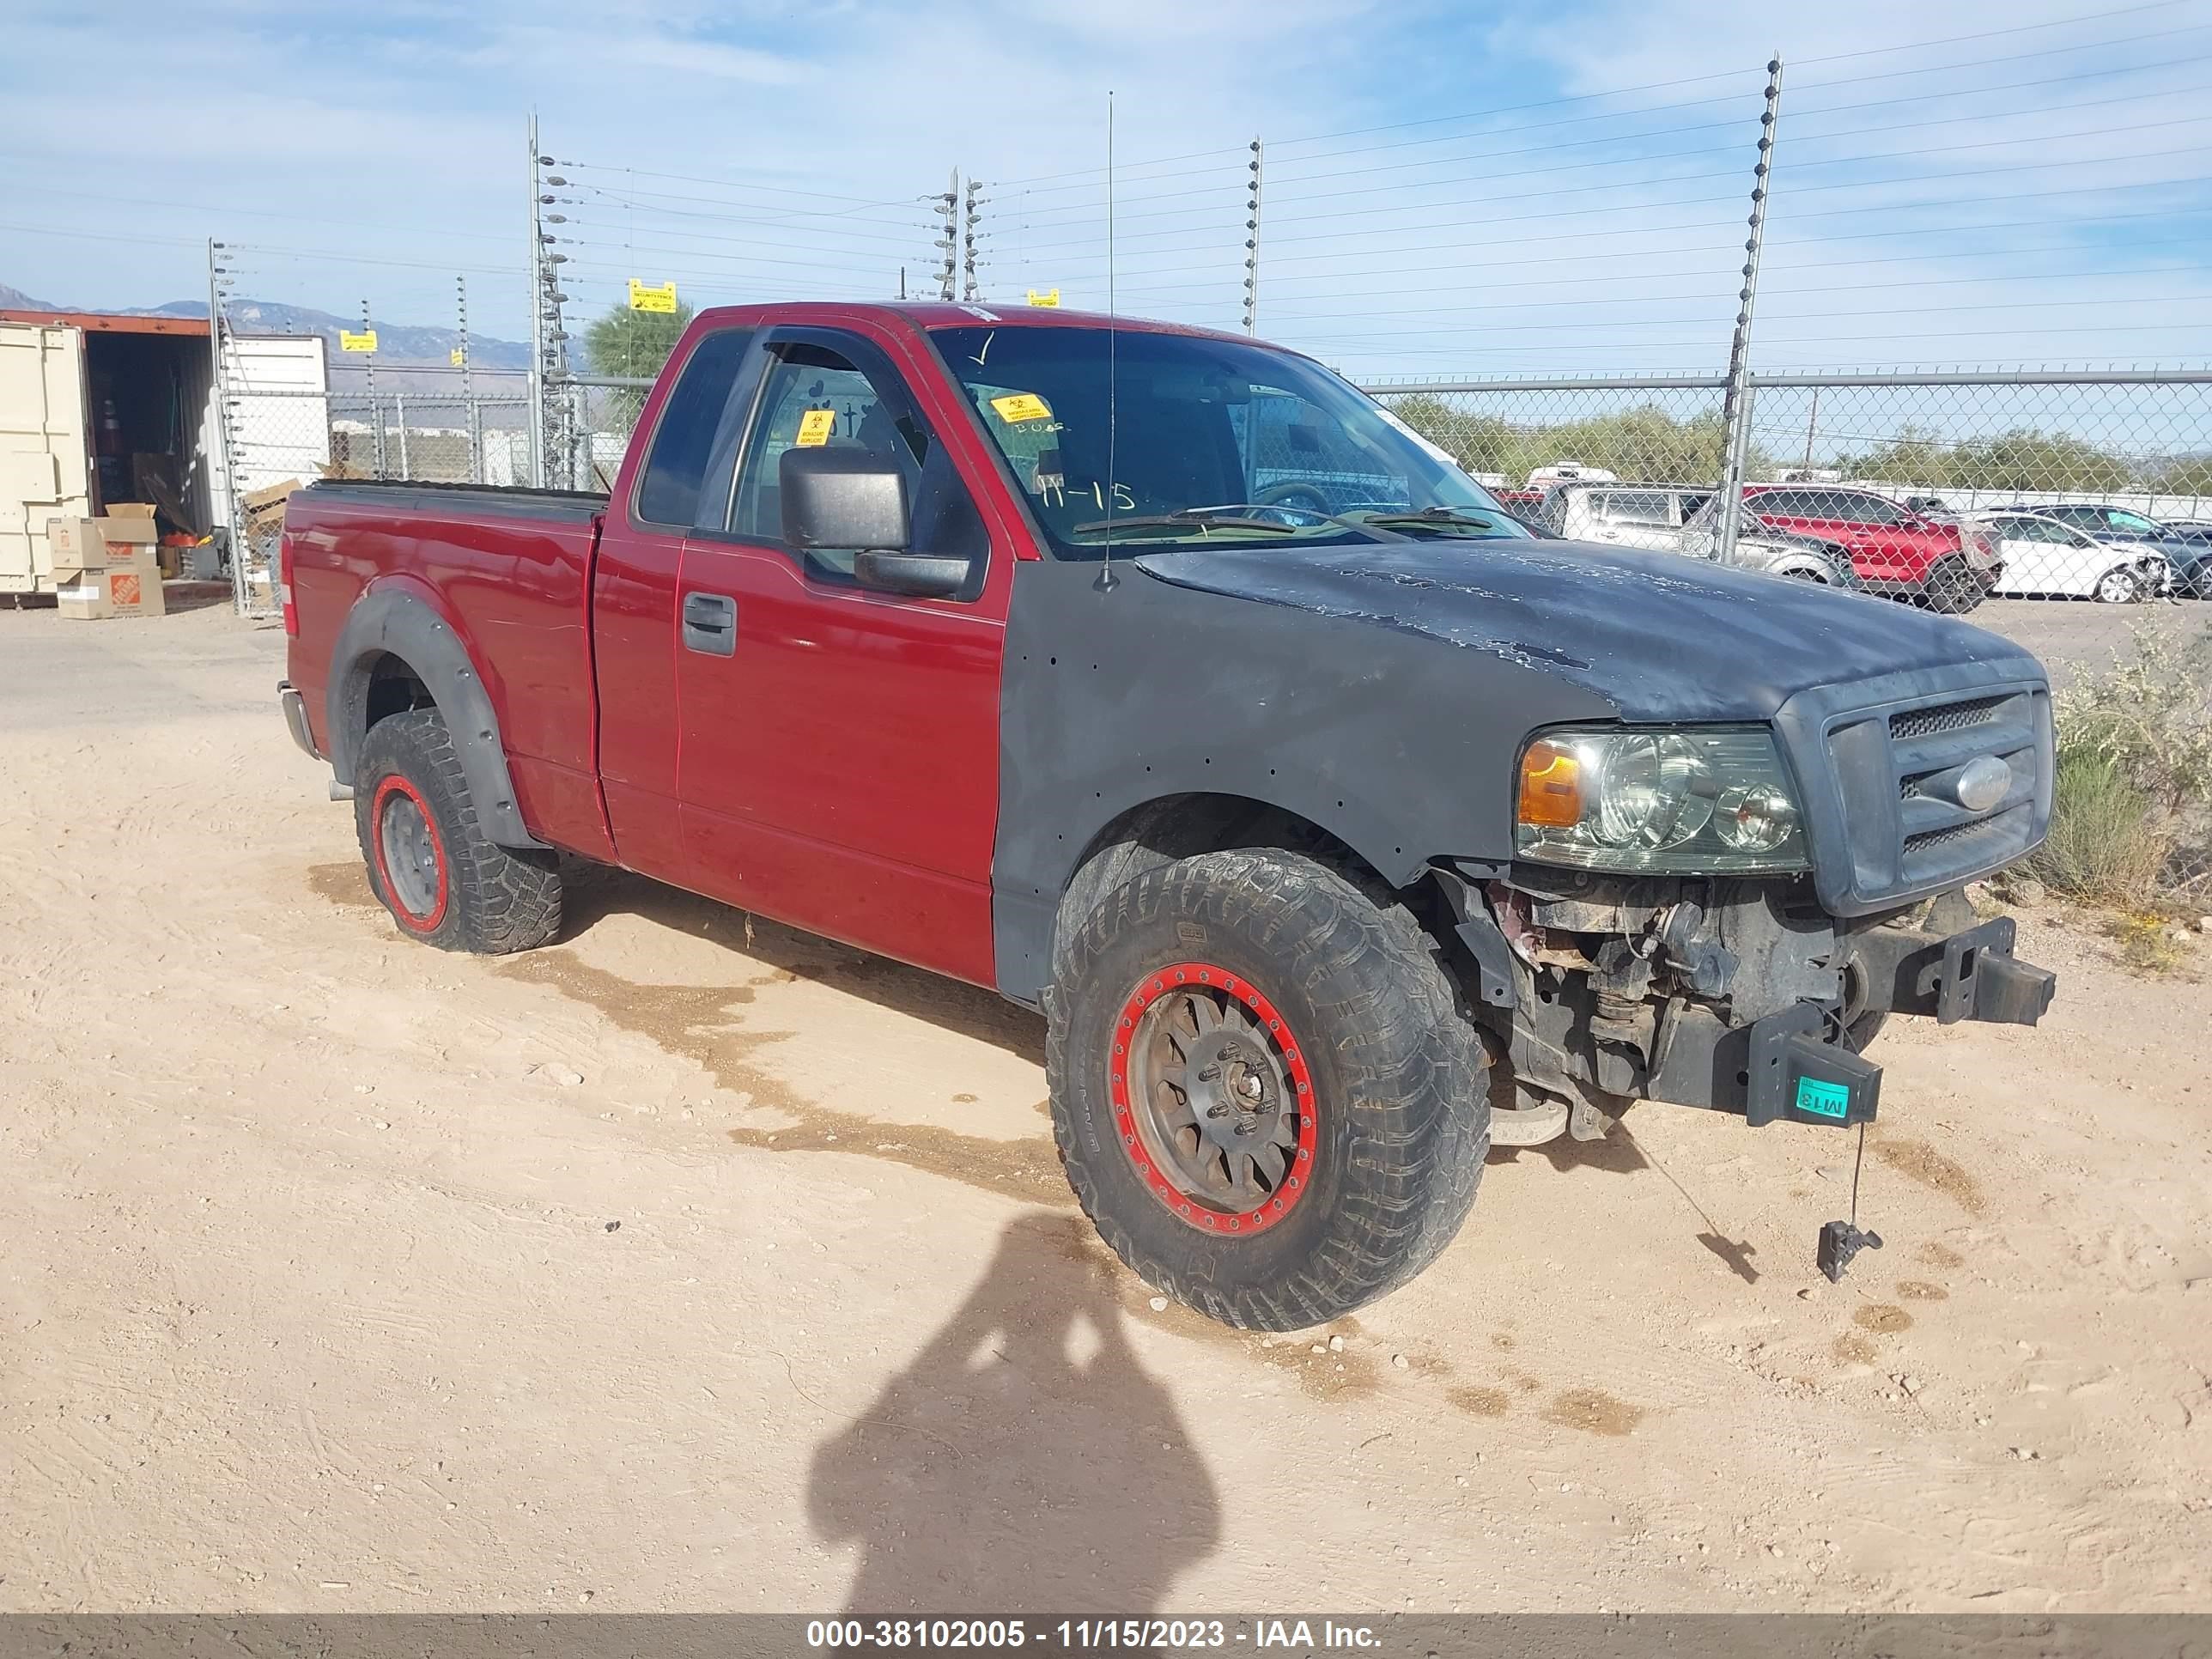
column 1637, row 507
column 812, row 396
column 1780, row 504
column 668, row 493
column 1872, row 509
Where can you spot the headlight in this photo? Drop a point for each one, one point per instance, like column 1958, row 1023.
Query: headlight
column 1696, row 801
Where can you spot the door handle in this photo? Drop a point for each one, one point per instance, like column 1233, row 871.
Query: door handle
column 710, row 624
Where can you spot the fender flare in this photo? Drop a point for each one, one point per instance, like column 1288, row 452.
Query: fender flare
column 396, row 620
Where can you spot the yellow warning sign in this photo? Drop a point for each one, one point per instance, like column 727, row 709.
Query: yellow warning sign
column 645, row 297
column 1050, row 297
column 364, row 341
column 1018, row 406
column 815, row 427
column 458, row 356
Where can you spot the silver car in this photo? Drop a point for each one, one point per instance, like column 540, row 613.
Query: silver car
column 1760, row 547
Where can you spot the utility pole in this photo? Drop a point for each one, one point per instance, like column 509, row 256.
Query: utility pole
column 1735, row 410
column 948, row 239
column 1252, row 244
column 971, row 217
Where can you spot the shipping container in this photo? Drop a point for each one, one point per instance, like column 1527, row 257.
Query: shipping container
column 97, row 410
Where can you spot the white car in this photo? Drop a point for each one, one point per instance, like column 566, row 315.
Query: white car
column 1628, row 515
column 2044, row 557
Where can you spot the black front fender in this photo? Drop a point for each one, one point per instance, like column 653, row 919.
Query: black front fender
column 1402, row 746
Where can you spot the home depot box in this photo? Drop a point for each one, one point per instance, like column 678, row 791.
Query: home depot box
column 130, row 586
column 76, row 545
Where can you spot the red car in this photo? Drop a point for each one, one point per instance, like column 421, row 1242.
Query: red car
column 1947, row 566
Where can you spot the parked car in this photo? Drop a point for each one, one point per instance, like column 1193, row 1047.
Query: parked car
column 2190, row 556
column 1941, row 562
column 1806, row 558
column 922, row 628
column 2044, row 557
column 1543, row 477
column 1632, row 515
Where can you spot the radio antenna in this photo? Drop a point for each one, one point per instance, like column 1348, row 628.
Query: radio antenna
column 1113, row 373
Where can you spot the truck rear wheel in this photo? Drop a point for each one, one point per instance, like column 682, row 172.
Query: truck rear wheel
column 1265, row 1093
column 428, row 860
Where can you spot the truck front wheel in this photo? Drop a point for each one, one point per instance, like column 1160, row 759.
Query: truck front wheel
column 1265, row 1093
column 428, row 859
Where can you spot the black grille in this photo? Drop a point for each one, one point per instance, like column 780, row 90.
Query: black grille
column 1929, row 840
column 1952, row 717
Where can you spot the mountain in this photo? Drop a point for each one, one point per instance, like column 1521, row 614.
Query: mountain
column 397, row 344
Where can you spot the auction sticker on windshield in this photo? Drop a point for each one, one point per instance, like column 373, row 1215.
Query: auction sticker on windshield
column 1018, row 406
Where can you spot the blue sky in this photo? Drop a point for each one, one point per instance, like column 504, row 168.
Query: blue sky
column 1450, row 188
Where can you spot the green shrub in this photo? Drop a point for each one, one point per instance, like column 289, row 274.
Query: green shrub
column 2109, row 839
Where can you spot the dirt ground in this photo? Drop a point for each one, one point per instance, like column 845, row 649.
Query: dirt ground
column 684, row 1265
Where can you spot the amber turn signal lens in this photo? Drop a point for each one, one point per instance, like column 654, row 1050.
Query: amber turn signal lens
column 1550, row 786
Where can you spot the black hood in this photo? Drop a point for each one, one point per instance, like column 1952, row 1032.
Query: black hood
column 1660, row 636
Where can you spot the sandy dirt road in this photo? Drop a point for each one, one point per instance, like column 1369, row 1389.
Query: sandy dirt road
column 682, row 1266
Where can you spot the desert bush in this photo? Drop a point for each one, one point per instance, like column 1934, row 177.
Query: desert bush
column 2110, row 841
column 2134, row 785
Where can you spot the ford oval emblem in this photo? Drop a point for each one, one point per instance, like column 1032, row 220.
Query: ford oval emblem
column 1983, row 783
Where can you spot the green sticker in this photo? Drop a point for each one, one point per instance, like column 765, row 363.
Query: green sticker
column 1823, row 1099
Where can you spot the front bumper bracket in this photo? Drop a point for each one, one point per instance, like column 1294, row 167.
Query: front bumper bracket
column 1969, row 975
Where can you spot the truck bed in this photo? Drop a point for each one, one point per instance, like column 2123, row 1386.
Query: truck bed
column 407, row 495
column 512, row 568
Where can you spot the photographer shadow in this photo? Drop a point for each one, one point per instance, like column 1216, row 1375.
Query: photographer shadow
column 1025, row 1461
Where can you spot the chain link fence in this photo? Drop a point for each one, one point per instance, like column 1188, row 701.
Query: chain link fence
column 2069, row 511
column 277, row 437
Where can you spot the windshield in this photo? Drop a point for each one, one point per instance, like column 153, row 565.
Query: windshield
column 1206, row 441
column 2134, row 523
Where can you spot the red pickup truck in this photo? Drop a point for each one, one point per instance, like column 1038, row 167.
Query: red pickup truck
column 1166, row 684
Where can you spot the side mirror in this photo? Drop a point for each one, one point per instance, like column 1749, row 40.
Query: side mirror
column 841, row 498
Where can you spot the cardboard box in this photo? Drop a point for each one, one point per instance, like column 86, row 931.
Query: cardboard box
column 129, row 522
column 131, row 586
column 74, row 545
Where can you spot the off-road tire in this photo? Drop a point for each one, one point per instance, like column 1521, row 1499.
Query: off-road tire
column 1951, row 588
column 1398, row 1072
column 489, row 899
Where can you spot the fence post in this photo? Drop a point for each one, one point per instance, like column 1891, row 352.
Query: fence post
column 1252, row 240
column 219, row 439
column 535, row 423
column 400, row 406
column 1735, row 408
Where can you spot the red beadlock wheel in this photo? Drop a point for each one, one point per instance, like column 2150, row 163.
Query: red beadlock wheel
column 1213, row 1099
column 410, row 854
